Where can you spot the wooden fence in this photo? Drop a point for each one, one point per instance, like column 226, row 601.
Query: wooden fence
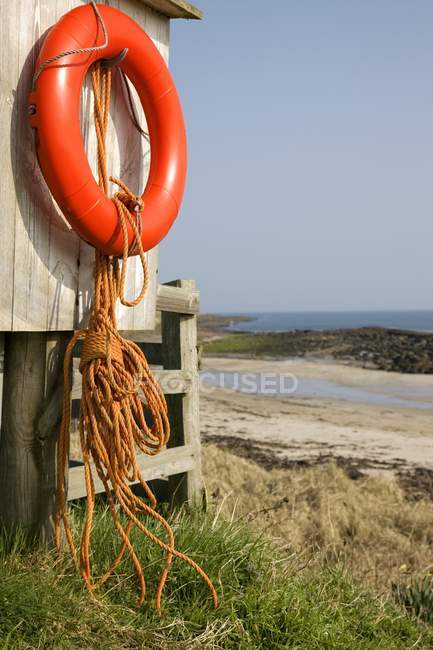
column 32, row 408
column 174, row 354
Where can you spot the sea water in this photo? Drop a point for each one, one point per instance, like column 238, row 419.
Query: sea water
column 421, row 320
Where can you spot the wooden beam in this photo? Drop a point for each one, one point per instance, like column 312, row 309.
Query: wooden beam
column 172, row 382
column 175, row 8
column 179, row 351
column 167, row 462
column 177, row 299
column 142, row 336
column 32, row 410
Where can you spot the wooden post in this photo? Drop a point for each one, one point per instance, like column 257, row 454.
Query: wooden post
column 32, row 409
column 179, row 351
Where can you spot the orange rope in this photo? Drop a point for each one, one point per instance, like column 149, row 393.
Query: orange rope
column 112, row 422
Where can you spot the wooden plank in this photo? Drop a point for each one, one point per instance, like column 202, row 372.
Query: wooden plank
column 175, row 8
column 179, row 348
column 32, row 409
column 36, row 222
column 168, row 461
column 133, row 159
column 177, row 299
column 172, row 382
column 9, row 73
column 129, row 160
column 143, row 337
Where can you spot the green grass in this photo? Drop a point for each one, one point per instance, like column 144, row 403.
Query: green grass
column 268, row 344
column 267, row 601
column 417, row 597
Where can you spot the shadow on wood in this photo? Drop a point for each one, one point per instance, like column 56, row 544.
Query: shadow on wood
column 32, row 408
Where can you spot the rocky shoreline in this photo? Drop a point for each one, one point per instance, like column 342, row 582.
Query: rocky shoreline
column 371, row 347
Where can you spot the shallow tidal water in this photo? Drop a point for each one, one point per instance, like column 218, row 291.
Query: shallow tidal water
column 289, row 386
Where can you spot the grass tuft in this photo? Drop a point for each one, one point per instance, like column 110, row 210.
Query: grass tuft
column 367, row 525
column 417, row 597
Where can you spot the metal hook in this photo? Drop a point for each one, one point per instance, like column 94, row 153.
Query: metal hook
column 111, row 63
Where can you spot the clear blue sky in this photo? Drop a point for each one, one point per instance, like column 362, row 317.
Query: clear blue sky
column 310, row 131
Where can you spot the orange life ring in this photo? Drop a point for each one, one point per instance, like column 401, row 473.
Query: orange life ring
column 54, row 107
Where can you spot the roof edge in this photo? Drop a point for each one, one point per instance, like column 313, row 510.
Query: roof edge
column 175, row 8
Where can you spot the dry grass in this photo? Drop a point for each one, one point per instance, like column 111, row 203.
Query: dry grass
column 322, row 514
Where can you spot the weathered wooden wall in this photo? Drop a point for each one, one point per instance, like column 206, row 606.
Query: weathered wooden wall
column 46, row 271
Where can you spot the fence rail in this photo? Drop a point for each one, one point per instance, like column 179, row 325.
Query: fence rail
column 179, row 460
column 178, row 299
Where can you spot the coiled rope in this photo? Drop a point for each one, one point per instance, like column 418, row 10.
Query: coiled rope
column 112, row 422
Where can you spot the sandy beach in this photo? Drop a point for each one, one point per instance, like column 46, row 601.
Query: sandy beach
column 372, row 433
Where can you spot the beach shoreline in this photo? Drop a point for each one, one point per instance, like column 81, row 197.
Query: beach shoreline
column 291, row 431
